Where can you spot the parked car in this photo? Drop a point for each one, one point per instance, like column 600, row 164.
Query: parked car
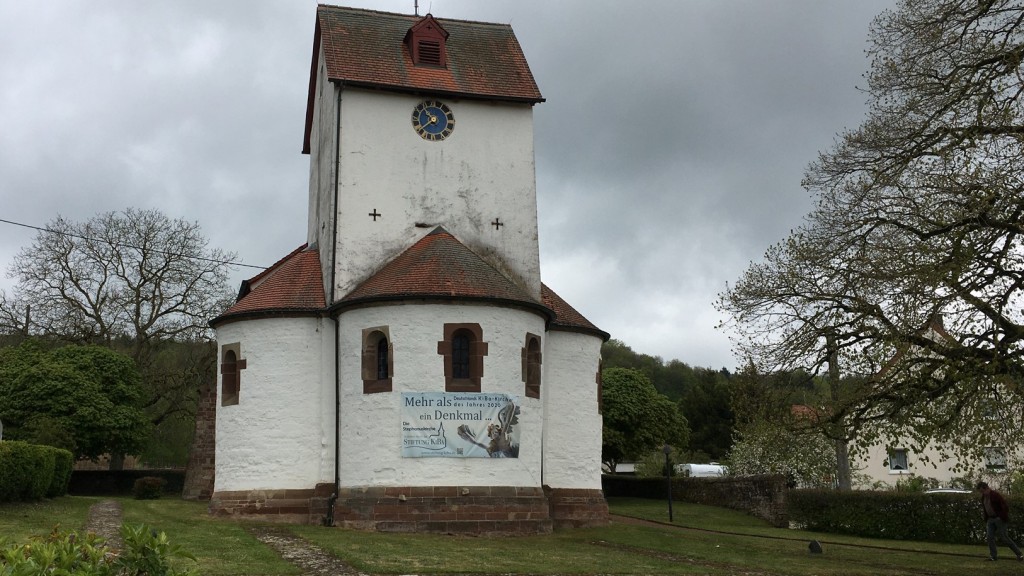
column 947, row 491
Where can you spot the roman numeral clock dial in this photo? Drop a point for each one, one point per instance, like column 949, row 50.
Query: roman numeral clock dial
column 433, row 120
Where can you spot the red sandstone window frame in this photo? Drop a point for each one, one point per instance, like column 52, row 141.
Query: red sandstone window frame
column 476, row 351
column 532, row 358
column 377, row 372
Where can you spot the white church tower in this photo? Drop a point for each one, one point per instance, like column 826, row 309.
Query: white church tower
column 406, row 369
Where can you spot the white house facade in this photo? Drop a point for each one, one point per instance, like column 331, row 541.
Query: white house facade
column 891, row 461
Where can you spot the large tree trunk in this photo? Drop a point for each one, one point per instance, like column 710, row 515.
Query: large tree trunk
column 117, row 461
column 844, row 479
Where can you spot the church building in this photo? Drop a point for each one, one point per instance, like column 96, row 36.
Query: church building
column 405, row 368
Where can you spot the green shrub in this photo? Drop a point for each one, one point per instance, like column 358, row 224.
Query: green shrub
column 58, row 553
column 148, row 488
column 149, row 553
column 21, row 465
column 43, row 462
column 916, row 484
column 947, row 518
column 64, row 463
column 146, row 552
column 32, row 472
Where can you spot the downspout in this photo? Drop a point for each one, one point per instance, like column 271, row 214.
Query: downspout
column 337, row 325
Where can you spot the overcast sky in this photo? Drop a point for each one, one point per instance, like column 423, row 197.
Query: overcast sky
column 669, row 151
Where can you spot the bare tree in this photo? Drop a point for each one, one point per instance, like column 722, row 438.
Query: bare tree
column 137, row 281
column 136, row 275
column 911, row 266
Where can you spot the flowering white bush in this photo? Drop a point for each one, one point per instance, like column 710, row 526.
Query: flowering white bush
column 808, row 459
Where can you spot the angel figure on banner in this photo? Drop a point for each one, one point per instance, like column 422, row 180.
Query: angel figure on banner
column 502, row 441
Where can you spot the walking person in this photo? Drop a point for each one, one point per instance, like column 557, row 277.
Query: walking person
column 997, row 516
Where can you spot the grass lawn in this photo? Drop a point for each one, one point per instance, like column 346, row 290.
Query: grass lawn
column 701, row 540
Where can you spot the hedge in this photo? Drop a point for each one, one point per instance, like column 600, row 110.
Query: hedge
column 121, row 482
column 946, row 518
column 32, row 472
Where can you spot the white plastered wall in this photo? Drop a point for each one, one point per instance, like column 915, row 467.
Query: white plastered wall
column 280, row 434
column 482, row 172
column 323, row 134
column 572, row 437
column 872, row 466
column 371, row 423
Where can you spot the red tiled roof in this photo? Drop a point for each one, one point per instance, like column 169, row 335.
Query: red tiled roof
column 436, row 267
column 366, row 47
column 439, row 266
column 566, row 317
column 293, row 285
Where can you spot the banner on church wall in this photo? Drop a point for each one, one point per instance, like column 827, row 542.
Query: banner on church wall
column 459, row 425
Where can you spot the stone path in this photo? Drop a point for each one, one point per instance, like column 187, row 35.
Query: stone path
column 105, row 521
column 312, row 559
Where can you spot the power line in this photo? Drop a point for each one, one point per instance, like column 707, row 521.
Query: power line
column 164, row 252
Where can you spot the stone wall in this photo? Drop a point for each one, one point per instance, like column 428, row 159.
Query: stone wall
column 471, row 510
column 288, row 506
column 577, row 507
column 478, row 510
column 199, row 474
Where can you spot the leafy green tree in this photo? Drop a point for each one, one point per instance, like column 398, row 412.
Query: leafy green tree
column 637, row 418
column 701, row 393
column 652, row 463
column 707, row 407
column 85, row 399
column 777, row 431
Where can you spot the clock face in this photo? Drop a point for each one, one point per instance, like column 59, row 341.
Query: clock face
column 433, row 120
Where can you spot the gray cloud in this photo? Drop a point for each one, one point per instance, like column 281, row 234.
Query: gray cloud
column 669, row 151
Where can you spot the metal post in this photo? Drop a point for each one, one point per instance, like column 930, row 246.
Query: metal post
column 668, row 478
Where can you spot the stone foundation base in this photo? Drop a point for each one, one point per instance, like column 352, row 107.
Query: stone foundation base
column 477, row 510
column 291, row 506
column 577, row 507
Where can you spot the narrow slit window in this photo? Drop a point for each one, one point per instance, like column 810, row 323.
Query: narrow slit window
column 460, row 356
column 382, row 359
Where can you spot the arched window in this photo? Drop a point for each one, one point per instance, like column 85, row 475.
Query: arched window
column 463, row 351
column 230, row 377
column 532, row 365
column 378, row 360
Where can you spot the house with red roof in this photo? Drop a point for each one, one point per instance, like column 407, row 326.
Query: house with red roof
column 405, row 368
